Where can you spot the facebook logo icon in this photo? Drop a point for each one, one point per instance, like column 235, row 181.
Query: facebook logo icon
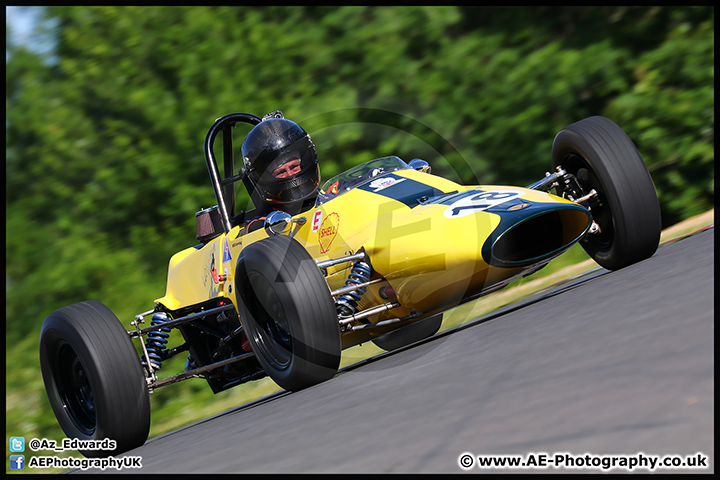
column 17, row 462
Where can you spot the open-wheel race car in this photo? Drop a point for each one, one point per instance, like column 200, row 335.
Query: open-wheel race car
column 384, row 250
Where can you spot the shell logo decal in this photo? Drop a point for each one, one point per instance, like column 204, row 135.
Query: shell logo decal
column 328, row 231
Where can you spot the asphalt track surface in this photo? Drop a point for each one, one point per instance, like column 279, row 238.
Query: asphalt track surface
column 610, row 363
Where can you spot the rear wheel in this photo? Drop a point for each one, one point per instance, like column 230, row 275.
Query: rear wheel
column 288, row 313
column 93, row 377
column 602, row 157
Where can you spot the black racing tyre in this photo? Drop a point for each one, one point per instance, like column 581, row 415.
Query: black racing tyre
column 93, row 377
column 287, row 312
column 603, row 157
column 410, row 333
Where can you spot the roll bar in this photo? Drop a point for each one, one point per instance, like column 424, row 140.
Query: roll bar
column 223, row 187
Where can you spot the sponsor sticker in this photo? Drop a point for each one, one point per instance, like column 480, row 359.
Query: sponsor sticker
column 316, row 219
column 384, row 182
column 328, row 231
column 226, row 252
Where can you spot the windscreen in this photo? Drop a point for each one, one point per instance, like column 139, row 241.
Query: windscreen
column 358, row 176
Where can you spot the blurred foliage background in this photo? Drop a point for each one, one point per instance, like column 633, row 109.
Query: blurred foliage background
column 104, row 132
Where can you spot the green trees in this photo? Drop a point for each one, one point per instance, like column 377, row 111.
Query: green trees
column 104, row 163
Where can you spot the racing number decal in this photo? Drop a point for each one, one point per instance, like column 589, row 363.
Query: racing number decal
column 477, row 203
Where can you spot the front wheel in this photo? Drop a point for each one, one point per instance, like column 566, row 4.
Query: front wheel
column 602, row 157
column 288, row 313
column 93, row 377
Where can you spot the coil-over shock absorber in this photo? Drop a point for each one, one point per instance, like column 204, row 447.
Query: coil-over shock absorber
column 359, row 273
column 157, row 341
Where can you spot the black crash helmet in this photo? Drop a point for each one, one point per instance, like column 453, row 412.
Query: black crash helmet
column 281, row 162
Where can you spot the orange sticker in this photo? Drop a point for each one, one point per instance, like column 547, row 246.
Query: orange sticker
column 328, row 231
column 334, row 188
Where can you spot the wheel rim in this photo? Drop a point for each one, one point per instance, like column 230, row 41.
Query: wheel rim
column 272, row 332
column 601, row 213
column 73, row 387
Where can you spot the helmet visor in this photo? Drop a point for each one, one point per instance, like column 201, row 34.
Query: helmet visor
column 292, row 189
column 288, row 169
column 290, row 173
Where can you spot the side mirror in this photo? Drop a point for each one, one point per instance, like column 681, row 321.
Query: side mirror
column 278, row 222
column 420, row 165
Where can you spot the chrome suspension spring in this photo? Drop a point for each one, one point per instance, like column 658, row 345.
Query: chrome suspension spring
column 157, row 340
column 347, row 304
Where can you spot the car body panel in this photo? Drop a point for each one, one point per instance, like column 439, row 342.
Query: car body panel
column 435, row 253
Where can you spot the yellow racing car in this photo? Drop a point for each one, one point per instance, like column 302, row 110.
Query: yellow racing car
column 385, row 249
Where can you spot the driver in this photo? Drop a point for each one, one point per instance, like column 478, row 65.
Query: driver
column 282, row 166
